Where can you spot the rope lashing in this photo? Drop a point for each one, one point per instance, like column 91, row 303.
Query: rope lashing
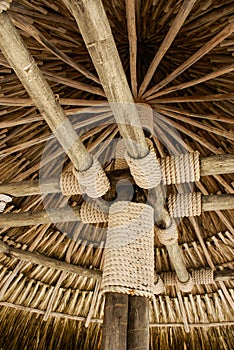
column 145, row 171
column 4, row 5
column 4, row 199
column 69, row 184
column 170, row 279
column 129, row 252
column 199, row 276
column 184, row 204
column 120, row 162
column 93, row 181
column 91, row 213
column 180, row 169
column 168, row 236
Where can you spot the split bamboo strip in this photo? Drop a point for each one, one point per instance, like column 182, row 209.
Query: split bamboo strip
column 226, row 32
column 184, row 11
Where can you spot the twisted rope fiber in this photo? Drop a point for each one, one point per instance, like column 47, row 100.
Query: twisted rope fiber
column 91, row 213
column 180, row 169
column 170, row 279
column 129, row 251
column 145, row 171
column 120, row 162
column 203, row 276
column 4, row 199
column 169, row 235
column 185, row 204
column 69, row 184
column 4, row 5
column 93, row 181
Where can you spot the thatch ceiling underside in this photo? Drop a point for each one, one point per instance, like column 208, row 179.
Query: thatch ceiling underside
column 44, row 308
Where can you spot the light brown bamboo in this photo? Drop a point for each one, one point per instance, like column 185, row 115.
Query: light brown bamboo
column 132, row 37
column 39, row 90
column 209, row 203
column 210, row 165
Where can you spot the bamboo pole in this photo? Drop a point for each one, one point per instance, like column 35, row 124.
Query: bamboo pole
column 209, row 203
column 25, row 67
column 210, row 165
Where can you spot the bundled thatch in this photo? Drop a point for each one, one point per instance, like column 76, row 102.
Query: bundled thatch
column 191, row 89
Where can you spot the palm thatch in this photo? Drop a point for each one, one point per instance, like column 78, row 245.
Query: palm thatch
column 185, row 73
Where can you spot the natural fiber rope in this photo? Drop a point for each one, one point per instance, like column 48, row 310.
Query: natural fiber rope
column 120, row 162
column 169, row 235
column 91, row 213
column 4, row 199
column 203, row 276
column 185, row 204
column 93, row 180
column 4, row 5
column 197, row 277
column 69, row 184
column 129, row 252
column 180, row 169
column 145, row 171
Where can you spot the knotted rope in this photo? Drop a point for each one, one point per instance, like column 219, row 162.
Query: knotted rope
column 4, row 199
column 91, row 213
column 185, row 204
column 93, row 181
column 180, row 169
column 4, row 5
column 120, row 162
column 145, row 171
column 129, row 252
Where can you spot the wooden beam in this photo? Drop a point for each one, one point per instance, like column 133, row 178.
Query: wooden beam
column 209, row 203
column 39, row 259
column 17, row 54
column 138, row 323
column 115, row 322
column 210, row 165
column 132, row 38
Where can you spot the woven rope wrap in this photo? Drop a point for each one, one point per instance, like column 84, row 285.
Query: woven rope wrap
column 203, row 276
column 93, row 181
column 4, row 199
column 180, row 169
column 145, row 171
column 90, row 213
column 185, row 204
column 169, row 235
column 4, row 5
column 129, row 253
column 69, row 184
column 120, row 162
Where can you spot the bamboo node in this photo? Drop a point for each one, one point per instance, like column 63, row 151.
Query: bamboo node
column 180, row 169
column 4, row 199
column 4, row 5
column 129, row 252
column 184, row 204
column 145, row 171
column 93, row 181
column 91, row 213
column 169, row 235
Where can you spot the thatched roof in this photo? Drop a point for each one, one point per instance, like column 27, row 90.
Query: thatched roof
column 43, row 307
